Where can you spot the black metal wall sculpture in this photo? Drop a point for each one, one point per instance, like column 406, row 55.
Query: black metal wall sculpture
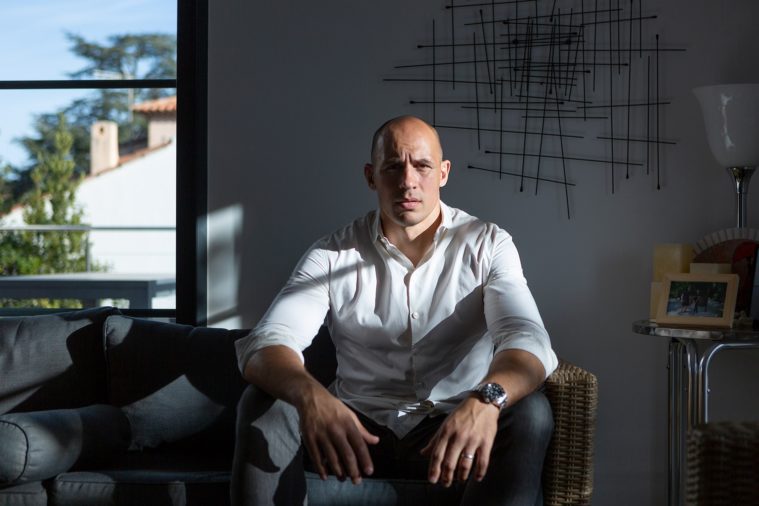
column 528, row 79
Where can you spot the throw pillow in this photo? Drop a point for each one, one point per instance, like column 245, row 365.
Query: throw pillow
column 172, row 381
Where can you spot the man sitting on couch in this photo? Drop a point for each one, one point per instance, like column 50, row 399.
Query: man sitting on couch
column 440, row 349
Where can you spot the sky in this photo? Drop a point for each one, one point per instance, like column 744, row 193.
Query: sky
column 32, row 35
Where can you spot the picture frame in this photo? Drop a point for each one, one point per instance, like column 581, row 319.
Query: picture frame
column 698, row 299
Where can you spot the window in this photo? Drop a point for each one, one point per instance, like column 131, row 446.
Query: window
column 89, row 211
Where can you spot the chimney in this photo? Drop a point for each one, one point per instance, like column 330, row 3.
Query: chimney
column 104, row 146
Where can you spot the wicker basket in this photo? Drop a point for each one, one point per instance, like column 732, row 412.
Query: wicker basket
column 568, row 469
column 723, row 464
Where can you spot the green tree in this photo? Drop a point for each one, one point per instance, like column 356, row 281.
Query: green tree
column 145, row 56
column 52, row 201
column 6, row 188
column 129, row 56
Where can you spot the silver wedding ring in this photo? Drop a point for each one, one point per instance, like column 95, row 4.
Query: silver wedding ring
column 469, row 456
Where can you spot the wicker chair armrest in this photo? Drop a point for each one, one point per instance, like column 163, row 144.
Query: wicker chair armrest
column 723, row 464
column 568, row 470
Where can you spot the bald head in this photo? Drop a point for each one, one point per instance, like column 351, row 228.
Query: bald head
column 389, row 128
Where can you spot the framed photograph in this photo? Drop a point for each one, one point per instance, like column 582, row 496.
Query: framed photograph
column 698, row 299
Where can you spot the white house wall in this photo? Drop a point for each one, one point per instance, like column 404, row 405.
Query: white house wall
column 140, row 193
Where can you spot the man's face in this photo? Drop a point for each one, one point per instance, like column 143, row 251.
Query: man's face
column 407, row 174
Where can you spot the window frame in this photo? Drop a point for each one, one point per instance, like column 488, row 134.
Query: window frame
column 191, row 84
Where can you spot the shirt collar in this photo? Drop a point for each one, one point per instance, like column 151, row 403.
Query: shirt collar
column 376, row 226
column 445, row 224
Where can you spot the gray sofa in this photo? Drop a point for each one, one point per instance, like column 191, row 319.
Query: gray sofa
column 97, row 408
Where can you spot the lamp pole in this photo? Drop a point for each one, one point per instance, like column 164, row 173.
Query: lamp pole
column 742, row 178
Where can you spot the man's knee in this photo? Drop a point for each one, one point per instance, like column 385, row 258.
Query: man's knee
column 264, row 422
column 532, row 418
column 268, row 463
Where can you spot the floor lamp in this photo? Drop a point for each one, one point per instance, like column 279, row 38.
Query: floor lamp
column 731, row 117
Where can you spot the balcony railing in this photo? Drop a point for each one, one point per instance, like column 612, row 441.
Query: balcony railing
column 96, row 283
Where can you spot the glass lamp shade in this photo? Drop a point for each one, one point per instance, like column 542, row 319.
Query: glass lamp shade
column 731, row 117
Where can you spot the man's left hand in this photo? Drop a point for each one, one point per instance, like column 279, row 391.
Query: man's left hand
column 463, row 441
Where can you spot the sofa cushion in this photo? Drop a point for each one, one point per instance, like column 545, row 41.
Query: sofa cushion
column 380, row 492
column 40, row 444
column 26, row 494
column 52, row 361
column 147, row 487
column 173, row 381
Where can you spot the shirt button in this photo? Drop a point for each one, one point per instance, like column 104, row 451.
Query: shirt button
column 414, row 315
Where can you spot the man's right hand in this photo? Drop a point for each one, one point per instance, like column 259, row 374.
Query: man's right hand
column 334, row 436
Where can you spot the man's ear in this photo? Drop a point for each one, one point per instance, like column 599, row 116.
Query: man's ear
column 445, row 170
column 369, row 175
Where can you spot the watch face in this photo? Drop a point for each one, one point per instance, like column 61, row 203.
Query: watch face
column 493, row 393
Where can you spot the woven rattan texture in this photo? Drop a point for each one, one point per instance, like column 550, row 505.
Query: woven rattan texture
column 723, row 464
column 568, row 469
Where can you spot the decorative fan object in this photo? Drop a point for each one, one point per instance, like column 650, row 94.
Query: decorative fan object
column 728, row 234
column 737, row 247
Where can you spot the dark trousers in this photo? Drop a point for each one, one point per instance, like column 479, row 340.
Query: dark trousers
column 270, row 461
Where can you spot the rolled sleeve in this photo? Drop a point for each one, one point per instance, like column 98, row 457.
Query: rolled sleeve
column 511, row 314
column 297, row 312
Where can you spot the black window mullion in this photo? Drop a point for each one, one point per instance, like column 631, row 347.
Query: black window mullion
column 76, row 84
column 192, row 152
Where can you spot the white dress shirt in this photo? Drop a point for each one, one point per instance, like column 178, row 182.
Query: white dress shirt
column 411, row 341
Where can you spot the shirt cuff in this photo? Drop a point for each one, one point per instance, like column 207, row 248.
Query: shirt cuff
column 526, row 341
column 247, row 346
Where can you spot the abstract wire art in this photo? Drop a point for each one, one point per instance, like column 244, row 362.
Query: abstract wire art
column 544, row 87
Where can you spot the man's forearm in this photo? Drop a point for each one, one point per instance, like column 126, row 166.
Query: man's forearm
column 278, row 371
column 518, row 371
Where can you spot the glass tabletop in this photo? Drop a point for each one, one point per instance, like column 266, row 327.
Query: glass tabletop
column 651, row 328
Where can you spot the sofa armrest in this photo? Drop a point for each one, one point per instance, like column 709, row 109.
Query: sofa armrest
column 568, row 468
column 41, row 444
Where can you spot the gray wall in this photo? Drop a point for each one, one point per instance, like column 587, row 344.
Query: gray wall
column 296, row 91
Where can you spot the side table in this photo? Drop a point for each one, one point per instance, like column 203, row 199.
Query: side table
column 691, row 350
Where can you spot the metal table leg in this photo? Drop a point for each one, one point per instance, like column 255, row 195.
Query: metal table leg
column 683, row 411
column 676, row 352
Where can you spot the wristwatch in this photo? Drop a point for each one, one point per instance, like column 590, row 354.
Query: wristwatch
column 492, row 393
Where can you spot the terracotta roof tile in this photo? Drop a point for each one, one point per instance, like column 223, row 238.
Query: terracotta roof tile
column 165, row 104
